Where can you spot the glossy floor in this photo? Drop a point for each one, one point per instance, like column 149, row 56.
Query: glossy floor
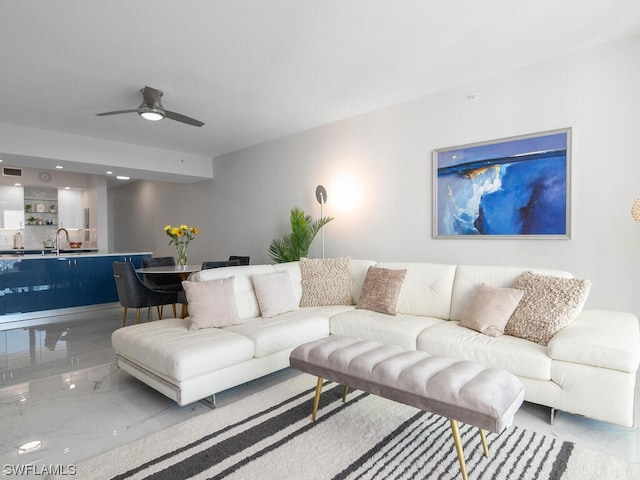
column 59, row 386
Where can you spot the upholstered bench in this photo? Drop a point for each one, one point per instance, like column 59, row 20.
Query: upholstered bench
column 463, row 391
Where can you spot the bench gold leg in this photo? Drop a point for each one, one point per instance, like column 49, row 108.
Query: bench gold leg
column 344, row 393
column 485, row 447
column 458, row 443
column 316, row 400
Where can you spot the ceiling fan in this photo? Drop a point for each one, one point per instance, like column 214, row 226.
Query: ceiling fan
column 151, row 109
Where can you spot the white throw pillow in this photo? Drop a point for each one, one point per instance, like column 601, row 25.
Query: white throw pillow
column 490, row 308
column 212, row 303
column 274, row 293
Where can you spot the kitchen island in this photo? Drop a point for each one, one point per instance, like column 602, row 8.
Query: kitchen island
column 44, row 281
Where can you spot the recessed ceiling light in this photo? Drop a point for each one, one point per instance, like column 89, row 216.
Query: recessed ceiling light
column 59, row 167
column 67, row 188
column 109, row 172
column 120, row 177
column 17, row 184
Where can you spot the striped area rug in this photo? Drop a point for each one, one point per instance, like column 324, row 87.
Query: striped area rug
column 269, row 435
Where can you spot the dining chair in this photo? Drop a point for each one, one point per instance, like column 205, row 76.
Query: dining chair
column 133, row 293
column 167, row 281
column 244, row 260
column 220, row 263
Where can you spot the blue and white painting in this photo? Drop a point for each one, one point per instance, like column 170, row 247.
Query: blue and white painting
column 516, row 186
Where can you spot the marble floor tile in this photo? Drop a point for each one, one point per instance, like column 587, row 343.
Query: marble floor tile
column 59, row 386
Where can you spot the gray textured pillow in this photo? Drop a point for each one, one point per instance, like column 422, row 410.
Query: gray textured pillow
column 381, row 290
column 490, row 308
column 212, row 303
column 325, row 281
column 274, row 293
column 548, row 305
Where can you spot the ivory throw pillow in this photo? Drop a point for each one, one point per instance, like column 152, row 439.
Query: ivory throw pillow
column 490, row 308
column 325, row 281
column 212, row 303
column 274, row 293
column 548, row 305
column 381, row 290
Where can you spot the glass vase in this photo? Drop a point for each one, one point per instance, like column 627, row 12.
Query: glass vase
column 182, row 255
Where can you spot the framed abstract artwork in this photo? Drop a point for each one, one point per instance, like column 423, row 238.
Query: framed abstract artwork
column 517, row 187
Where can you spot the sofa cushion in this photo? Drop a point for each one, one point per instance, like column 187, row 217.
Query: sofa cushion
column 325, row 281
column 285, row 331
column 246, row 300
column 274, row 293
column 381, row 290
column 170, row 349
column 470, row 277
column 401, row 330
column 606, row 339
column 358, row 269
column 489, row 309
column 426, row 289
column 518, row 356
column 211, row 303
column 549, row 304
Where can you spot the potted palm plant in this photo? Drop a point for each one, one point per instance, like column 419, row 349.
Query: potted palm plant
column 294, row 245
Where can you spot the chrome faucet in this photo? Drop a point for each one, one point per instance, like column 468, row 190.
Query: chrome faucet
column 57, row 242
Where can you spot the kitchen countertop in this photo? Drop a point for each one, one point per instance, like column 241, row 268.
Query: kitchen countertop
column 45, row 253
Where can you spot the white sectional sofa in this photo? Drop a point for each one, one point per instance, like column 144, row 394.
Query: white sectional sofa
column 588, row 368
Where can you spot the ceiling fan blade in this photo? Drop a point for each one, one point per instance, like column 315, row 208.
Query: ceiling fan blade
column 117, row 112
column 183, row 118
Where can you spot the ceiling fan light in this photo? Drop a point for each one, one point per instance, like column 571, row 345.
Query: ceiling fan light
column 151, row 113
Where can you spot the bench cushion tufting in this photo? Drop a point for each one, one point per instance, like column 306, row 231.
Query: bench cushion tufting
column 462, row 390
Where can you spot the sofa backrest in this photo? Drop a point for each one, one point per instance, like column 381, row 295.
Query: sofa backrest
column 245, row 296
column 470, row 277
column 358, row 272
column 426, row 289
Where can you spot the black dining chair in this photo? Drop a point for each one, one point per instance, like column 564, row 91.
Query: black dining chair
column 133, row 293
column 166, row 281
column 220, row 263
column 243, row 260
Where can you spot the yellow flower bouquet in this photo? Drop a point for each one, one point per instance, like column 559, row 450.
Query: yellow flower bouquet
column 181, row 237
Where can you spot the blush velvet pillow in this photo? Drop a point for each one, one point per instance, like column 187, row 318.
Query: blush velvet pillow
column 212, row 303
column 381, row 290
column 274, row 293
column 490, row 308
column 548, row 305
column 325, row 281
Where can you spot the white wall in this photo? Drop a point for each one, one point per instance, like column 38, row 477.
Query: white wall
column 388, row 153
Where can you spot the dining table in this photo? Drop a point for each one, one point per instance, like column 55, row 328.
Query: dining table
column 182, row 270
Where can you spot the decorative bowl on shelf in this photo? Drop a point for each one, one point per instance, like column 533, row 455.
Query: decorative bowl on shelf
column 75, row 244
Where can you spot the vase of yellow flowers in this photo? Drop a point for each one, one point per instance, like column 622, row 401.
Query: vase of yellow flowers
column 181, row 237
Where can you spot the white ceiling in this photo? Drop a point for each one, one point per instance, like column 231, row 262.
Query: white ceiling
column 255, row 70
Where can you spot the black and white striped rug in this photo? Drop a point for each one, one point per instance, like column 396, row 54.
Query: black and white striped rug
column 269, row 435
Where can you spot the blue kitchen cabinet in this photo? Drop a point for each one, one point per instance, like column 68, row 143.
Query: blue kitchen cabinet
column 48, row 283
column 29, row 285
